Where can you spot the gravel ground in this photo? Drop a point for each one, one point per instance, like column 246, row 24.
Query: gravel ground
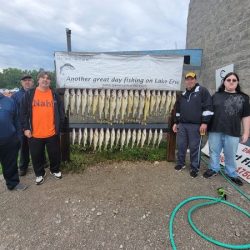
column 119, row 206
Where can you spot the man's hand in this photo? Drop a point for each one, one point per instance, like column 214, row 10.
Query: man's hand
column 27, row 133
column 244, row 138
column 203, row 129
column 175, row 128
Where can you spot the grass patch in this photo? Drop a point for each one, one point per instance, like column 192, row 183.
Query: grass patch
column 80, row 158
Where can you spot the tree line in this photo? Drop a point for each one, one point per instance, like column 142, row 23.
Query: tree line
column 10, row 77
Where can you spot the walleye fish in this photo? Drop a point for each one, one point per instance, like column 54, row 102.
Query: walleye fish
column 66, row 100
column 160, row 138
column 146, row 107
column 138, row 137
column 123, row 138
column 106, row 106
column 135, row 103
column 150, row 135
column 130, row 102
column 73, row 136
column 158, row 100
column 78, row 100
column 95, row 102
column 117, row 139
column 107, row 138
column 128, row 137
column 84, row 101
column 118, row 104
column 101, row 102
column 95, row 139
column 91, row 135
column 101, row 138
column 72, row 101
column 141, row 104
column 124, row 104
column 173, row 100
column 163, row 101
column 143, row 137
column 112, row 138
column 85, row 137
column 152, row 102
column 168, row 103
column 89, row 101
column 155, row 137
column 112, row 105
column 79, row 136
column 133, row 138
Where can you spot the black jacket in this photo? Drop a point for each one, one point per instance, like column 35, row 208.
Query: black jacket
column 26, row 111
column 194, row 106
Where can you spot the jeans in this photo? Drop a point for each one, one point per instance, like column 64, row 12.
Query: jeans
column 229, row 144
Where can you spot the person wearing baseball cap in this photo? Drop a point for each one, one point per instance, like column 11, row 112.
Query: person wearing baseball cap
column 193, row 113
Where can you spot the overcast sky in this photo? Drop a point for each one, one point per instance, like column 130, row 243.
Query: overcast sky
column 31, row 30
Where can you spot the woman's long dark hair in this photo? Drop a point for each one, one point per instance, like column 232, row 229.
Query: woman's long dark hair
column 222, row 86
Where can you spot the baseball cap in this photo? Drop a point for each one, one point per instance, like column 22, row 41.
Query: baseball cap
column 26, row 77
column 190, row 74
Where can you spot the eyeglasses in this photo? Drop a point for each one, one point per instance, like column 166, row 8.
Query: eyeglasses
column 231, row 80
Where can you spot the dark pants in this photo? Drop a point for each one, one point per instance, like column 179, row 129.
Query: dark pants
column 37, row 147
column 8, row 159
column 25, row 154
column 188, row 136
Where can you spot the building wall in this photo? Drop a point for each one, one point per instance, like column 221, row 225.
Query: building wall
column 222, row 29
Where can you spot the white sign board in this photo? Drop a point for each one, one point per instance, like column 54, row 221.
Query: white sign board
column 82, row 70
column 220, row 74
column 242, row 160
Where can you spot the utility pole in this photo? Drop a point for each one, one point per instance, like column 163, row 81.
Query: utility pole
column 68, row 35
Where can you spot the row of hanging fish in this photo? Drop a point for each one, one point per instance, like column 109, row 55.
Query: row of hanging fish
column 118, row 105
column 115, row 138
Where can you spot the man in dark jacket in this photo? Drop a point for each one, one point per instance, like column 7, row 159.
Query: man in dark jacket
column 193, row 113
column 42, row 117
column 10, row 134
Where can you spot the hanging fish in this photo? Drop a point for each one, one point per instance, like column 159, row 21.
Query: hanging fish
column 143, row 137
column 91, row 135
column 118, row 104
column 123, row 138
column 128, row 137
column 138, row 137
column 85, row 137
column 152, row 102
column 112, row 138
column 158, row 100
column 117, row 139
column 107, row 138
column 84, row 102
column 95, row 139
column 101, row 102
column 73, row 136
column 155, row 137
column 101, row 138
column 112, row 105
column 79, row 136
column 89, row 101
column 124, row 104
column 66, row 100
column 163, row 101
column 135, row 103
column 72, row 101
column 168, row 103
column 150, row 135
column 173, row 100
column 106, row 106
column 133, row 138
column 130, row 102
column 146, row 107
column 95, row 102
column 160, row 137
column 78, row 100
column 141, row 104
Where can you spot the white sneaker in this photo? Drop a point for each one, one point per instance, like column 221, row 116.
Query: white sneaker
column 40, row 179
column 57, row 175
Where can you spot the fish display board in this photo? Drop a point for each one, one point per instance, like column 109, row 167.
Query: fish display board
column 118, row 71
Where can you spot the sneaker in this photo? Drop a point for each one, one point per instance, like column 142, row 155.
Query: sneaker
column 57, row 175
column 194, row 173
column 20, row 187
column 22, row 172
column 209, row 173
column 40, row 179
column 236, row 180
column 179, row 167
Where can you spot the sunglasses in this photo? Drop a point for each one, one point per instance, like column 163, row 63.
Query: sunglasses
column 231, row 80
